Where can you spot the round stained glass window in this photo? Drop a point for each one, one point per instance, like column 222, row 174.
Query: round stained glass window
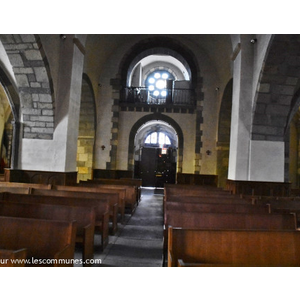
column 156, row 83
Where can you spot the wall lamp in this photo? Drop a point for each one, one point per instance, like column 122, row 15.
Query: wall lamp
column 253, row 41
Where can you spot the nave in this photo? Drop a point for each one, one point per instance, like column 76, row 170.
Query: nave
column 139, row 241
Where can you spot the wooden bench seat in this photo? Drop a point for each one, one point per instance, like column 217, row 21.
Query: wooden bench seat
column 84, row 217
column 12, row 258
column 47, row 242
column 247, row 248
column 135, row 182
column 121, row 193
column 219, row 220
column 111, row 198
column 130, row 191
column 101, row 208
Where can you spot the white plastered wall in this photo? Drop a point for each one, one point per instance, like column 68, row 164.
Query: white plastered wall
column 266, row 161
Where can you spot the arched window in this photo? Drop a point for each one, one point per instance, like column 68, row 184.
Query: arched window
column 157, row 138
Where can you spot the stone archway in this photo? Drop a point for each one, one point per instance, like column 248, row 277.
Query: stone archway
column 276, row 99
column 31, row 70
column 153, row 117
column 166, row 46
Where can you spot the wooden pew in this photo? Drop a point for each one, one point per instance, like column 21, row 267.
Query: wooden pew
column 130, row 191
column 24, row 185
column 226, row 220
column 281, row 204
column 100, row 190
column 20, row 187
column 193, row 189
column 15, row 190
column 76, row 192
column 208, row 199
column 135, row 182
column 245, row 248
column 176, row 218
column 84, row 217
column 12, row 258
column 101, row 208
column 48, row 242
column 215, row 207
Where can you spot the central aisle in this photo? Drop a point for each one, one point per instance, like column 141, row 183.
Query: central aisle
column 139, row 242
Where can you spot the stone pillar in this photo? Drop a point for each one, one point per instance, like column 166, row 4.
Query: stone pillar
column 241, row 113
column 251, row 159
column 69, row 98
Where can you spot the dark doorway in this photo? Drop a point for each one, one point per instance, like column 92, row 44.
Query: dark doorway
column 157, row 167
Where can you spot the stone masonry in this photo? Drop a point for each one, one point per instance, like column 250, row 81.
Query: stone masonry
column 279, row 80
column 34, row 83
column 86, row 135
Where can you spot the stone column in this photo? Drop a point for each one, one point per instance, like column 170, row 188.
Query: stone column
column 251, row 158
column 69, row 97
column 241, row 113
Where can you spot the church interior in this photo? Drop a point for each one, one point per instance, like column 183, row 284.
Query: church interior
column 186, row 146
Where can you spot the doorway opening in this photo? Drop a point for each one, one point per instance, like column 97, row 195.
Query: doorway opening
column 155, row 161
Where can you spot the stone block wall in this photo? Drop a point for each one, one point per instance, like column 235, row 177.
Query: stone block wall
column 85, row 148
column 86, row 134
column 35, row 86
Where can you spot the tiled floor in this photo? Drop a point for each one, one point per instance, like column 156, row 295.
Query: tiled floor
column 139, row 241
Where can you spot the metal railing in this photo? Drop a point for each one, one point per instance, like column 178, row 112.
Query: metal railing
column 172, row 96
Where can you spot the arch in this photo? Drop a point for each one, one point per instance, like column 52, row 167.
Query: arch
column 14, row 102
column 161, row 45
column 223, row 142
column 276, row 99
column 34, row 82
column 145, row 119
column 158, row 45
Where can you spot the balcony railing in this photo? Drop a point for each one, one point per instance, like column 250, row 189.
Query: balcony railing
column 173, row 96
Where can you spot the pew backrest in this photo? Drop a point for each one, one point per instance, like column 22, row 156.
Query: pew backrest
column 114, row 196
column 261, row 248
column 176, row 218
column 217, row 207
column 84, row 216
column 43, row 239
column 207, row 199
column 24, row 185
column 15, row 190
column 100, row 206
